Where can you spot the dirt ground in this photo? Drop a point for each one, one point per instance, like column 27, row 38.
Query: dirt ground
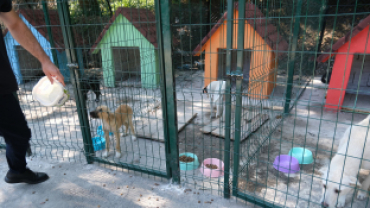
column 308, row 126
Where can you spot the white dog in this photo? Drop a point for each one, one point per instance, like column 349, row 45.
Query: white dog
column 345, row 165
column 216, row 94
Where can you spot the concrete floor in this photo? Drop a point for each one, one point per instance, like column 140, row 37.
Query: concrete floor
column 83, row 185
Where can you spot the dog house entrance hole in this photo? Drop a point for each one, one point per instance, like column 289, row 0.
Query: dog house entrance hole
column 354, row 82
column 29, row 66
column 222, row 64
column 126, row 63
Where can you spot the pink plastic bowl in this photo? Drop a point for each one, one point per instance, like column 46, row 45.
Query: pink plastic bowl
column 213, row 173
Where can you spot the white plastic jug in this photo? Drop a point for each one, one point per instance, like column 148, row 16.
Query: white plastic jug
column 50, row 94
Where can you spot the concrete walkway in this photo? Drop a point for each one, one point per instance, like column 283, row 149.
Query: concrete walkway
column 83, row 185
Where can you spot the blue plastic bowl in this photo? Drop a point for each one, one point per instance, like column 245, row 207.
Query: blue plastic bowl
column 100, row 132
column 304, row 156
column 98, row 143
column 189, row 165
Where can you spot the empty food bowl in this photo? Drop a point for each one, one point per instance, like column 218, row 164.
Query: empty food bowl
column 304, row 156
column 190, row 165
column 286, row 164
column 100, row 131
column 98, row 143
column 212, row 167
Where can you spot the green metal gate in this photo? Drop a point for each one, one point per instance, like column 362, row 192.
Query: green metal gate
column 181, row 47
column 247, row 159
column 252, row 117
column 169, row 119
column 68, row 132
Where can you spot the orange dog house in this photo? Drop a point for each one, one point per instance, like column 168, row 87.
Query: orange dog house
column 347, row 66
column 263, row 44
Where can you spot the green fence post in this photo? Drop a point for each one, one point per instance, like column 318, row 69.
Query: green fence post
column 51, row 40
column 170, row 119
column 163, row 87
column 238, row 104
column 229, row 46
column 288, row 95
column 63, row 12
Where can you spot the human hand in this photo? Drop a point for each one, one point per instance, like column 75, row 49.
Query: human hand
column 51, row 71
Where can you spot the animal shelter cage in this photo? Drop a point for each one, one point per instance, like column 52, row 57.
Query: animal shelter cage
column 157, row 57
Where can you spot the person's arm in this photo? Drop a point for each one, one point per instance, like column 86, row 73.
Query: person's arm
column 24, row 36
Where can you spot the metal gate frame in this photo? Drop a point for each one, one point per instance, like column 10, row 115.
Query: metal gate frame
column 162, row 8
column 167, row 89
column 167, row 86
column 239, row 77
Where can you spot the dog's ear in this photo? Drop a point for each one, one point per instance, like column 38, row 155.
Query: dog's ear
column 205, row 91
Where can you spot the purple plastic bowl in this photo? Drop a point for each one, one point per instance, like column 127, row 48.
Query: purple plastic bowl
column 286, row 164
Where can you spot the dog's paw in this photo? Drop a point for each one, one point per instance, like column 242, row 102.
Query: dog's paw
column 105, row 153
column 118, row 155
column 133, row 137
column 361, row 195
column 340, row 205
column 341, row 202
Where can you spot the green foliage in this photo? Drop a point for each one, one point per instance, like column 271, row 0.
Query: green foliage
column 149, row 4
column 78, row 10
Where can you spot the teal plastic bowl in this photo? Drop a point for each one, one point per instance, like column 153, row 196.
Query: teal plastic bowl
column 189, row 165
column 304, row 156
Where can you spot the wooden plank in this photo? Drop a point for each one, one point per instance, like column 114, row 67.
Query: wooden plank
column 188, row 119
column 255, row 124
column 150, row 125
column 210, row 127
column 152, row 128
column 355, row 110
column 251, row 126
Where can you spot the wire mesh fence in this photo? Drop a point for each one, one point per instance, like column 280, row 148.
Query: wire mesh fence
column 126, row 74
column 215, row 91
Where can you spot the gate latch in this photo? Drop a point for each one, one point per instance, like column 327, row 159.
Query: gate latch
column 72, row 65
column 233, row 74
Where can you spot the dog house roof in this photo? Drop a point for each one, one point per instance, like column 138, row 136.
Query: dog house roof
column 142, row 19
column 343, row 40
column 255, row 18
column 37, row 19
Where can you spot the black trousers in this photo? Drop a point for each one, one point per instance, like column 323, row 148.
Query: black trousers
column 14, row 129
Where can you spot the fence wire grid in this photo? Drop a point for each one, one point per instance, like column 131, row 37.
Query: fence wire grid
column 218, row 89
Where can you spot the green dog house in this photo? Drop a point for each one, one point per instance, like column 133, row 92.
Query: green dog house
column 128, row 45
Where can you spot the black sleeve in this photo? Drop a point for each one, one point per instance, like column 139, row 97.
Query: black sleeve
column 5, row 5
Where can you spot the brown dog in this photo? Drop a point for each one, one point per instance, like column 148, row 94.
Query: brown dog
column 112, row 122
